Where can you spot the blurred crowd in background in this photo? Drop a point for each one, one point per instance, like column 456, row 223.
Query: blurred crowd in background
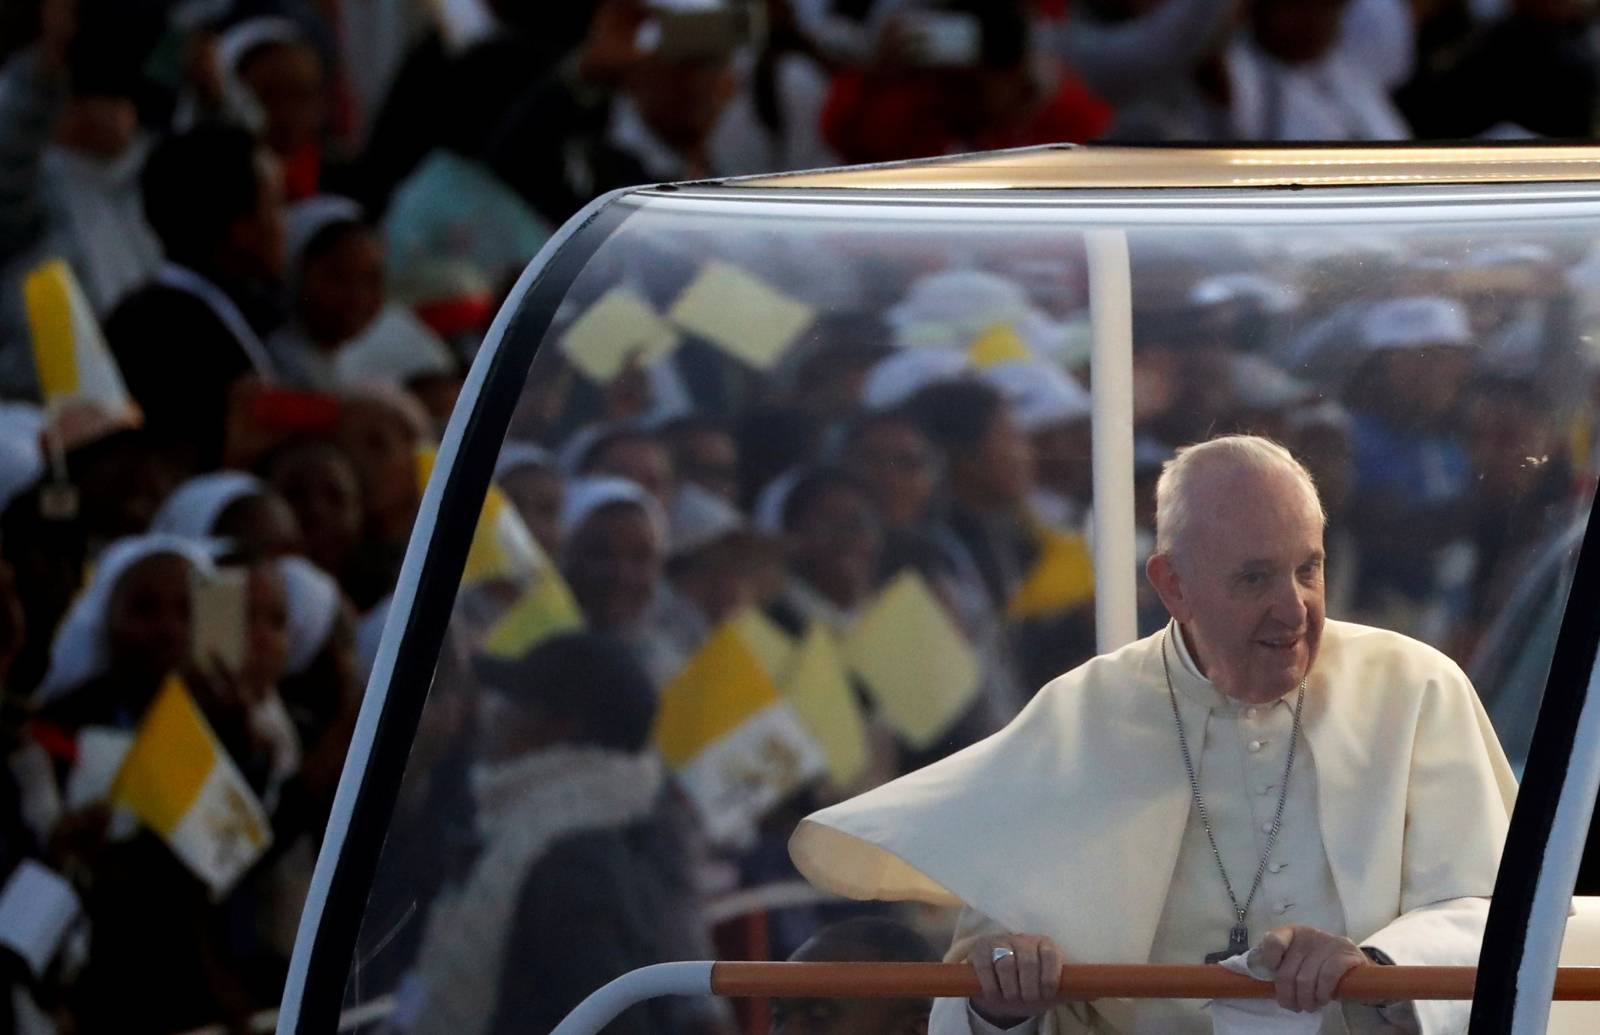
column 248, row 249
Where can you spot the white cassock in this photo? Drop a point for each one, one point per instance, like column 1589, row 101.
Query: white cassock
column 1076, row 821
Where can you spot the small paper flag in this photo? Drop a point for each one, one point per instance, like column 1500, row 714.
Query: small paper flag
column 70, row 357
column 818, row 685
column 618, row 329
column 918, row 668
column 741, row 314
column 736, row 746
column 180, row 782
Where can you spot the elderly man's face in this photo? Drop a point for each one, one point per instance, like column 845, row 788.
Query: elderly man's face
column 1248, row 585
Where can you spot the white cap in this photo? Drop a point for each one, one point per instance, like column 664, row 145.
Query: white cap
column 1041, row 394
column 951, row 308
column 1415, row 322
column 894, row 380
column 194, row 507
column 238, row 41
column 1269, row 294
column 304, row 220
column 1262, row 385
column 584, row 496
column 774, row 499
column 701, row 518
column 515, row 455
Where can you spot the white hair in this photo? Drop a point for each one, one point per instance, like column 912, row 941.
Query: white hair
column 1175, row 489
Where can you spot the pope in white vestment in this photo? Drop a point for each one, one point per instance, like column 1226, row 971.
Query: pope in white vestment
column 1078, row 821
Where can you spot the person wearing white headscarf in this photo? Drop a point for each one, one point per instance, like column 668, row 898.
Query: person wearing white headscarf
column 615, row 541
column 334, row 271
column 531, row 478
column 231, row 505
column 85, row 649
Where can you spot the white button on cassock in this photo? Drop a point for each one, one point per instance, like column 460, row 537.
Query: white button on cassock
column 1255, row 745
column 1266, row 828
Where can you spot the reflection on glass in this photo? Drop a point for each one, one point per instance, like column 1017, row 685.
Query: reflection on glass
column 790, row 507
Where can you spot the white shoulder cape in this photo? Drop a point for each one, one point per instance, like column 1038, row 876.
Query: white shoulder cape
column 1067, row 822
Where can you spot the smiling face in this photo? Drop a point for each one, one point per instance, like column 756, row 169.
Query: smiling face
column 1245, row 583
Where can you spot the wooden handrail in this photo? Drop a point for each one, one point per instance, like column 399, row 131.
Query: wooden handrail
column 1084, row 981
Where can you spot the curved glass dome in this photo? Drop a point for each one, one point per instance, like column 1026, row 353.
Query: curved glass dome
column 845, row 465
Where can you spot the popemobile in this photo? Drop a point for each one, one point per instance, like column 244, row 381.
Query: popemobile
column 1163, row 578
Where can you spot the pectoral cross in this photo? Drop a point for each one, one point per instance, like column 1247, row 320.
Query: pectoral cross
column 1238, row 941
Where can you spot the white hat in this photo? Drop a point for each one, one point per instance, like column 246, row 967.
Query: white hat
column 81, row 649
column 1261, row 385
column 584, row 496
column 894, row 380
column 1415, row 322
column 774, row 499
column 304, row 220
column 314, row 604
column 951, row 308
column 195, row 506
column 1271, row 295
column 1042, row 395
column 236, row 43
column 515, row 455
column 701, row 518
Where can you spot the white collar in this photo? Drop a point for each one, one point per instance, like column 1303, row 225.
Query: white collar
column 1184, row 657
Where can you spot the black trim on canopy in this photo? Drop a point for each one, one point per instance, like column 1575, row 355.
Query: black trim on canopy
column 461, row 501
column 1566, row 690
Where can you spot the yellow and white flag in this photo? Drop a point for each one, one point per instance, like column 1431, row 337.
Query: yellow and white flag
column 736, row 745
column 818, row 685
column 1062, row 577
column 502, row 547
column 917, row 665
column 546, row 608
column 180, row 782
column 70, row 356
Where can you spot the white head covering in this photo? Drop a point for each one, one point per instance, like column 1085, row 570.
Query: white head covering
column 1414, row 322
column 1271, row 295
column 21, row 458
column 584, row 496
column 774, row 499
column 951, row 308
column 1262, row 385
column 395, row 346
column 514, row 456
column 701, row 518
column 81, row 650
column 1042, row 395
column 304, row 220
column 233, row 46
column 314, row 602
column 194, row 507
column 894, row 380
column 574, row 452
column 239, row 40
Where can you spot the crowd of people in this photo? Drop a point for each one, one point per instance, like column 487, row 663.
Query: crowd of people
column 248, row 250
